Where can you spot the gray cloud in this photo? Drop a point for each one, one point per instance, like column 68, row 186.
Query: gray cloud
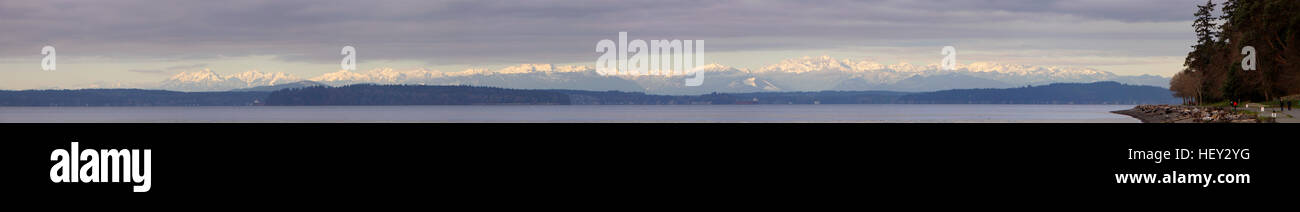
column 149, row 71
column 469, row 32
column 168, row 70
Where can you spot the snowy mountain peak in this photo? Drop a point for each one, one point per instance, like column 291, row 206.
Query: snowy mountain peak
column 341, row 75
column 378, row 75
column 794, row 74
column 197, row 76
column 469, row 72
column 810, row 64
column 1016, row 69
column 714, row 67
column 208, row 80
column 542, row 68
column 257, row 78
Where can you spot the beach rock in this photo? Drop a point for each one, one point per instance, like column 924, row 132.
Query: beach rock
column 1195, row 114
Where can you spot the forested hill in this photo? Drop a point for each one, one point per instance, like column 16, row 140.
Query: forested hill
column 127, row 97
column 1059, row 93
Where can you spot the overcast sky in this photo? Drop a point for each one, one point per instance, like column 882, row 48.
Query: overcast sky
column 148, row 40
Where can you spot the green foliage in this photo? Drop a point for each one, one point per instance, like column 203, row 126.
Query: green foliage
column 1232, row 83
column 1270, row 26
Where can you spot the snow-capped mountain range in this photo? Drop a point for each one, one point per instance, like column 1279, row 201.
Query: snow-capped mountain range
column 798, row 74
column 206, row 80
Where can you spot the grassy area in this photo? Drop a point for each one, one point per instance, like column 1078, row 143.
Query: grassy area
column 1265, row 116
column 1217, row 104
column 1269, row 103
column 1275, row 103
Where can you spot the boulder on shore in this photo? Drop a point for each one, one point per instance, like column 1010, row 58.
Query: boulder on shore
column 1186, row 114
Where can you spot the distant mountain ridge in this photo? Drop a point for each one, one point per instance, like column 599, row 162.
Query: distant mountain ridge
column 207, row 80
column 370, row 94
column 919, row 83
column 1058, row 93
column 797, row 74
column 269, row 88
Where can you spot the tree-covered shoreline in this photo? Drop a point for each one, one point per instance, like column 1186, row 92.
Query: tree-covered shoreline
column 1213, row 69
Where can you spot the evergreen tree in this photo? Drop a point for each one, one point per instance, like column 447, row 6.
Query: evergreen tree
column 1272, row 27
column 1199, row 59
column 1204, row 24
column 1229, row 10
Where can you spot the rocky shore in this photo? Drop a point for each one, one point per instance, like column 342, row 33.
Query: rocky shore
column 1187, row 114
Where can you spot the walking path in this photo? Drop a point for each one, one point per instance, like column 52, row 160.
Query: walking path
column 1281, row 113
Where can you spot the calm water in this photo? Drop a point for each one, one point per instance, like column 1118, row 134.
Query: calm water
column 579, row 113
